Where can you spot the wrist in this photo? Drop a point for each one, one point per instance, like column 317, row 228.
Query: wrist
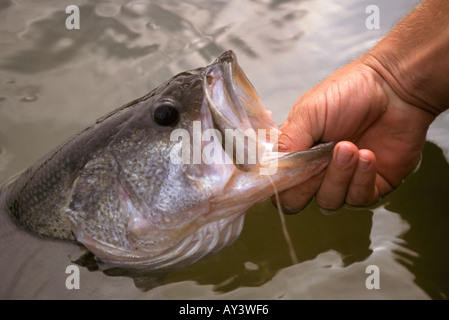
column 414, row 58
column 408, row 85
column 397, row 94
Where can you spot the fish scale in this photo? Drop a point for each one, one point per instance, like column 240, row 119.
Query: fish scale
column 94, row 206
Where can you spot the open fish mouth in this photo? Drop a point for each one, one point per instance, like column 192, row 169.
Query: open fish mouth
column 232, row 98
column 236, row 107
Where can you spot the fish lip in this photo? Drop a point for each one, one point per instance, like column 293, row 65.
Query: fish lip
column 226, row 57
column 221, row 74
column 231, row 97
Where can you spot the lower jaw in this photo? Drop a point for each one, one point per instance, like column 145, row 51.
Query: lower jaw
column 208, row 238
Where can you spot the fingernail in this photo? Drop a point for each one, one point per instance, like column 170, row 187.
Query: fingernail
column 328, row 212
column 363, row 164
column 280, row 147
column 288, row 210
column 344, row 157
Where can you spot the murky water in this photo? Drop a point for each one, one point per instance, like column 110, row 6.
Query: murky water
column 54, row 82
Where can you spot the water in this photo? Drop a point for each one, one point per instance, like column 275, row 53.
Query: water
column 54, row 82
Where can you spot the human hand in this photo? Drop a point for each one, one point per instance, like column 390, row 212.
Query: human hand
column 381, row 138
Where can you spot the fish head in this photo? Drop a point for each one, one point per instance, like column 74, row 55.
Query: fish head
column 173, row 183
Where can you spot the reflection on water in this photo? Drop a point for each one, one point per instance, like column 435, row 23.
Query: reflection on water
column 422, row 201
column 312, row 233
column 54, row 82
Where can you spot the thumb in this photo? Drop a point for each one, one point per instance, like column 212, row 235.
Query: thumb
column 295, row 133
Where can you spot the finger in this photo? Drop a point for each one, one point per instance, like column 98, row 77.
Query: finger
column 294, row 137
column 362, row 190
column 296, row 198
column 338, row 176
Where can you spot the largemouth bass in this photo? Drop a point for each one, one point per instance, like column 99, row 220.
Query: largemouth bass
column 126, row 189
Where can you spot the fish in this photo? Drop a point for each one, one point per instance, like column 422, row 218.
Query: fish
column 119, row 189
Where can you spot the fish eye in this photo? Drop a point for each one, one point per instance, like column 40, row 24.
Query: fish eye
column 166, row 114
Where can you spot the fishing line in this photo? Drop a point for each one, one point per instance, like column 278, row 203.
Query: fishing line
column 291, row 250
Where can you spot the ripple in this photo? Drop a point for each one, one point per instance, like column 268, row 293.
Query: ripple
column 29, row 98
column 152, row 26
column 251, row 266
column 107, row 9
column 137, row 7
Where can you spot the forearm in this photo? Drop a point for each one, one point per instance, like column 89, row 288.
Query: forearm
column 414, row 57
